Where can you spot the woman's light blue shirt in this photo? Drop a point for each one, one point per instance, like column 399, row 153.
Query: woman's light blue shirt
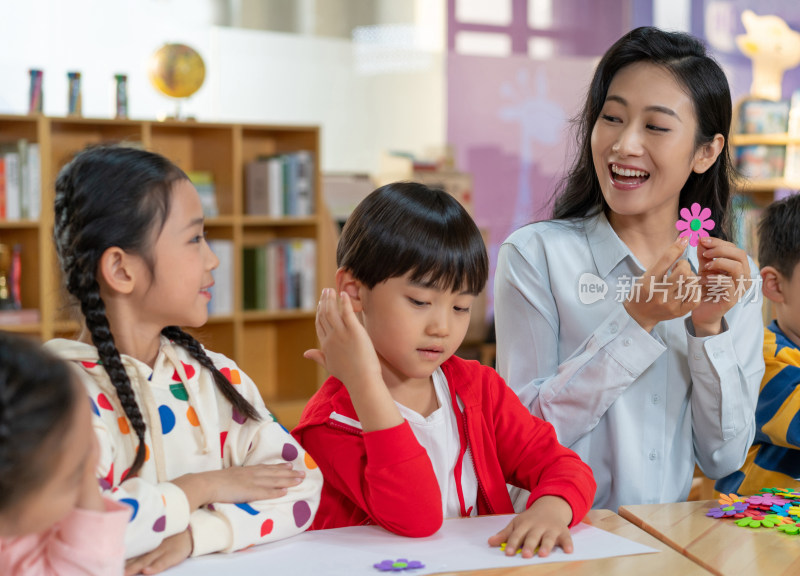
column 640, row 408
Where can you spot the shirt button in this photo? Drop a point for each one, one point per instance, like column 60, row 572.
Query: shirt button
column 652, row 455
column 656, row 398
column 697, row 356
column 627, row 342
column 718, row 353
column 613, row 328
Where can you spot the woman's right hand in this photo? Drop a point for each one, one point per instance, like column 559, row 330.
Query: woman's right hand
column 239, row 484
column 669, row 289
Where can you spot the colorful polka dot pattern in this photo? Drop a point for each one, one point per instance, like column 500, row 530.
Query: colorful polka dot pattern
column 247, row 508
column 237, row 417
column 289, row 452
column 267, row 527
column 103, row 402
column 232, row 375
column 108, row 481
column 179, row 391
column 167, row 419
column 187, row 368
column 302, row 513
column 133, row 504
column 191, row 416
column 222, row 437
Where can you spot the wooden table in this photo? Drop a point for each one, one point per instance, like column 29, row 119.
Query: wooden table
column 720, row 546
column 667, row 562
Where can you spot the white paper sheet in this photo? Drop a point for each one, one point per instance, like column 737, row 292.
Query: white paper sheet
column 459, row 545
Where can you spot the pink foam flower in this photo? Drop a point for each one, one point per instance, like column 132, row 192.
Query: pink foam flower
column 766, row 500
column 695, row 224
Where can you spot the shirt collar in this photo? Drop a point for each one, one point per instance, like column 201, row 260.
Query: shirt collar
column 607, row 248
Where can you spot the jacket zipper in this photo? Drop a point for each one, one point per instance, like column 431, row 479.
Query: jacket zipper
column 474, row 467
column 344, row 427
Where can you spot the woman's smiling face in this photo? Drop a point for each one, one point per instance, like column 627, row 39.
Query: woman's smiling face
column 643, row 142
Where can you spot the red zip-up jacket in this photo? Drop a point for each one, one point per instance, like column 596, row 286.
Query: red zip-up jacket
column 385, row 477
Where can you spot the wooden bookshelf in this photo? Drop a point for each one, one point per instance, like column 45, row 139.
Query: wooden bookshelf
column 268, row 345
column 760, row 192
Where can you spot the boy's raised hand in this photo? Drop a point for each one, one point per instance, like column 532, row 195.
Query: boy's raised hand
column 541, row 527
column 346, row 350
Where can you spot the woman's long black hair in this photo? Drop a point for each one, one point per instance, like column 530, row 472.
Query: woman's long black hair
column 685, row 57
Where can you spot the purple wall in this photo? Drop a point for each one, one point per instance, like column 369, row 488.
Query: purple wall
column 508, row 118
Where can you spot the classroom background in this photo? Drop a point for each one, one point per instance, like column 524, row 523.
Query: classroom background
column 473, row 95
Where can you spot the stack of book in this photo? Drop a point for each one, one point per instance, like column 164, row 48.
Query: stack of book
column 221, row 303
column 20, row 180
column 280, row 275
column 204, row 183
column 280, row 185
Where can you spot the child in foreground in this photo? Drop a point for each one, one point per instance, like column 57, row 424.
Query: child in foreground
column 405, row 432
column 53, row 519
column 774, row 458
column 185, row 438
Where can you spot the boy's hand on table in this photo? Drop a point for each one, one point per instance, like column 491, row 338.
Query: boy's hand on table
column 541, row 527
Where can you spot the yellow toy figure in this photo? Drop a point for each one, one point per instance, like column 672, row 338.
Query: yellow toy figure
column 773, row 47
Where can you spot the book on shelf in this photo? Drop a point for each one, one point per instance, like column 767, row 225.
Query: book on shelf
column 792, row 163
column 761, row 162
column 746, row 216
column 763, row 117
column 280, row 275
column 221, row 303
column 20, row 317
column 280, row 185
column 21, row 193
column 203, row 182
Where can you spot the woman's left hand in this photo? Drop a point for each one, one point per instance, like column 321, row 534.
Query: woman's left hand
column 171, row 552
column 725, row 277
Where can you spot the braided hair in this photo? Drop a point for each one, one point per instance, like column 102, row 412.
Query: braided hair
column 37, row 402
column 115, row 196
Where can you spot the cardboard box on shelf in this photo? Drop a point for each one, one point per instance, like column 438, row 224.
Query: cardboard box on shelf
column 343, row 191
column 394, row 167
column 457, row 184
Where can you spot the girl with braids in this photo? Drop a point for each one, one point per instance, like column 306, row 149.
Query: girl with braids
column 185, row 438
column 643, row 351
column 53, row 519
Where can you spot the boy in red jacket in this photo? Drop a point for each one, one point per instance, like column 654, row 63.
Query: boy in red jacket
column 405, row 433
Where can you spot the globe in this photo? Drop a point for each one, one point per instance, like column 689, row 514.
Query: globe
column 176, row 70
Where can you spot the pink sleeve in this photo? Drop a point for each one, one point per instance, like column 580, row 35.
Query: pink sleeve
column 85, row 543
